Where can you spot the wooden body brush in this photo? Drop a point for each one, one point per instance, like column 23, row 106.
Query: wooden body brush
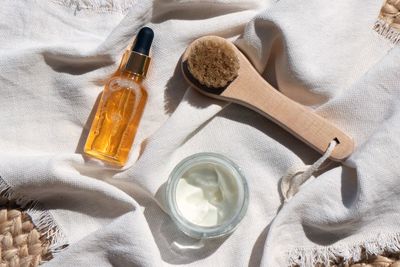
column 216, row 68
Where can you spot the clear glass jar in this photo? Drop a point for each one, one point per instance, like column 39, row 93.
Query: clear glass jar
column 235, row 214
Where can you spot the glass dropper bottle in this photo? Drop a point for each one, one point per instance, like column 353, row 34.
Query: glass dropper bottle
column 121, row 106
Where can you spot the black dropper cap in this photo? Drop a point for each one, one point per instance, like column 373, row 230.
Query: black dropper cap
column 143, row 41
column 139, row 60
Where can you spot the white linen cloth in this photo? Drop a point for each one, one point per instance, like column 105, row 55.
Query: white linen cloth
column 56, row 55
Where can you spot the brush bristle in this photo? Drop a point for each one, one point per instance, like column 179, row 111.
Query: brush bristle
column 213, row 62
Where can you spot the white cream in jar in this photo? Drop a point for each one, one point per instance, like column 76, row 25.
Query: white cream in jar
column 207, row 195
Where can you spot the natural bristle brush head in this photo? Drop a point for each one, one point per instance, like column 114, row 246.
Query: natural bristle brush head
column 213, row 62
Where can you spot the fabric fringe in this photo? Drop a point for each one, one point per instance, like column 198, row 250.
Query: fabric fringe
column 341, row 255
column 387, row 31
column 99, row 5
column 41, row 218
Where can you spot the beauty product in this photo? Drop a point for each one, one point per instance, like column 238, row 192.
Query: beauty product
column 207, row 195
column 216, row 68
column 121, row 106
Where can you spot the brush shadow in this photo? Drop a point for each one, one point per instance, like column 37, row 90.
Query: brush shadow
column 246, row 116
column 175, row 247
column 174, row 90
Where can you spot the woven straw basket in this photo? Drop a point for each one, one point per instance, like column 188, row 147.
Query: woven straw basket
column 22, row 245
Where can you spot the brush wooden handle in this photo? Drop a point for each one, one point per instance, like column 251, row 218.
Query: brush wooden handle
column 251, row 90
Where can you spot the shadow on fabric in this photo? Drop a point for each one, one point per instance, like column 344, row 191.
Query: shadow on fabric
column 174, row 90
column 175, row 247
column 324, row 234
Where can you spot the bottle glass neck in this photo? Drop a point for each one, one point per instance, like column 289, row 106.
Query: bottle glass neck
column 132, row 76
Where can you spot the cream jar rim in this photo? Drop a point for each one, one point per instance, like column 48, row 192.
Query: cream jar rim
column 206, row 232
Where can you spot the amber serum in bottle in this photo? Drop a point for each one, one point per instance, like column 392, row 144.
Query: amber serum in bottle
column 121, row 106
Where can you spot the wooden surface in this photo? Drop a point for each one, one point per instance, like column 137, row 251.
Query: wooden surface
column 251, row 90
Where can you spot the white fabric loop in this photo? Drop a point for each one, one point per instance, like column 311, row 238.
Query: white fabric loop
column 298, row 175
